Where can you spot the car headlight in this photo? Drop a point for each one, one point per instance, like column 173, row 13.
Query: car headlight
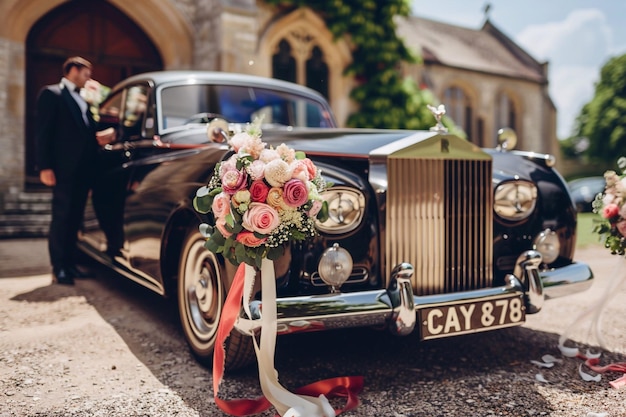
column 515, row 200
column 345, row 210
column 548, row 245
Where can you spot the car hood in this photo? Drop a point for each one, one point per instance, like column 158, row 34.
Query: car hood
column 339, row 142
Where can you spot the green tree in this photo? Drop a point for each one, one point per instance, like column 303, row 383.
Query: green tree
column 386, row 99
column 603, row 119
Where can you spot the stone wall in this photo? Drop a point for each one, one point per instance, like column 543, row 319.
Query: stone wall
column 12, row 93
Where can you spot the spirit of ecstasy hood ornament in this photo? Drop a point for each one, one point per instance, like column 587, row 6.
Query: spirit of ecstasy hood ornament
column 438, row 112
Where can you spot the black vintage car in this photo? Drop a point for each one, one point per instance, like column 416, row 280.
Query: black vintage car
column 444, row 238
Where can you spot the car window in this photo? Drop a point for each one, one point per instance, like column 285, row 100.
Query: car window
column 239, row 104
column 110, row 112
column 135, row 106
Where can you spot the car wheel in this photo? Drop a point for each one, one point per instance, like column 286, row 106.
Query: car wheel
column 201, row 294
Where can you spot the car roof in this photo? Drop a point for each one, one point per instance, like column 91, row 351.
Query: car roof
column 219, row 77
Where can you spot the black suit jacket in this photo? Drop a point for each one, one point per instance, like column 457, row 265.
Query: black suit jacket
column 64, row 142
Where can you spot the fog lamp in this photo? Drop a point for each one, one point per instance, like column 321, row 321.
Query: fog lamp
column 548, row 245
column 335, row 266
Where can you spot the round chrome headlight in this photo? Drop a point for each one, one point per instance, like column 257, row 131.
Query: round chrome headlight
column 515, row 200
column 335, row 266
column 345, row 210
column 548, row 245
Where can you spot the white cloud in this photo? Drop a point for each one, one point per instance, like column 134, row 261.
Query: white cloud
column 576, row 49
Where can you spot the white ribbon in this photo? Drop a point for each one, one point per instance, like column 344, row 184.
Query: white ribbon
column 595, row 311
column 286, row 403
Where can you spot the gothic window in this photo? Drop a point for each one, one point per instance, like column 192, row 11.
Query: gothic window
column 299, row 60
column 317, row 72
column 283, row 64
column 459, row 109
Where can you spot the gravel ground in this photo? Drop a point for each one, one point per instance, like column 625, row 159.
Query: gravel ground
column 106, row 347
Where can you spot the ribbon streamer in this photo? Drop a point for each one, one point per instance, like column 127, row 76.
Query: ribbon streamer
column 594, row 311
column 308, row 401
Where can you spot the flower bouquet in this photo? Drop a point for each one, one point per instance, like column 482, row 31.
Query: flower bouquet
column 611, row 205
column 94, row 93
column 262, row 199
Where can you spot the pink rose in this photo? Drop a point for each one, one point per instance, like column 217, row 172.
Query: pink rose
column 257, row 170
column 248, row 239
column 295, row 193
column 299, row 171
column 259, row 191
column 239, row 140
column 261, row 218
column 233, row 181
column 610, row 211
column 310, row 166
column 220, row 224
column 221, row 205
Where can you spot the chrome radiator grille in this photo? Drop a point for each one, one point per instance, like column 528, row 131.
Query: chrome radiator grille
column 440, row 219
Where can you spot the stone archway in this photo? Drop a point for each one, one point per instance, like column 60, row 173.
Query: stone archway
column 306, row 30
column 162, row 23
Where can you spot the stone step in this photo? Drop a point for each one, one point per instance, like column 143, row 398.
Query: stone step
column 25, row 214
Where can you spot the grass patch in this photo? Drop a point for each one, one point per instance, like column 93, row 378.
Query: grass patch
column 585, row 234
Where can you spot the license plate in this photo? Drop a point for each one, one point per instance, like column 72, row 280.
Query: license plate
column 463, row 318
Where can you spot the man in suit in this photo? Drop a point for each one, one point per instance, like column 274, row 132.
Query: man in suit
column 67, row 152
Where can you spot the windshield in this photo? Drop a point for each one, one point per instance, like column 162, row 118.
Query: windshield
column 198, row 103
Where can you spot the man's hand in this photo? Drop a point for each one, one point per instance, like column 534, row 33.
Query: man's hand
column 47, row 177
column 106, row 136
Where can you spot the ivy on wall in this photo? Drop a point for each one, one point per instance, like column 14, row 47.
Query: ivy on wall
column 386, row 99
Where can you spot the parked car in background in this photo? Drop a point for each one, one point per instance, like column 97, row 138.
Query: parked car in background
column 444, row 238
column 584, row 191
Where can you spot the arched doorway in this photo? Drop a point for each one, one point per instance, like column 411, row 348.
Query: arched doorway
column 94, row 29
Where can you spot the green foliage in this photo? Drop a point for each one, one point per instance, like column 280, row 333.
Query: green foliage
column 603, row 119
column 386, row 99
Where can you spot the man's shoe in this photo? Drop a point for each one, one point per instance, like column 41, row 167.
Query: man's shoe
column 62, row 276
column 76, row 273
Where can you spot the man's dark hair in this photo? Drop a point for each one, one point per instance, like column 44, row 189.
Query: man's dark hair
column 75, row 61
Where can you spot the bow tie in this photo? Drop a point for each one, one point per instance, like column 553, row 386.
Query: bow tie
column 77, row 90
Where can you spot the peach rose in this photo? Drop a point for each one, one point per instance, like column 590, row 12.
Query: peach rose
column 221, row 205
column 261, row 218
column 248, row 239
column 275, row 198
column 299, row 171
column 310, row 166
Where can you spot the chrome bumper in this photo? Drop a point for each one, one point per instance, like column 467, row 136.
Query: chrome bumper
column 396, row 306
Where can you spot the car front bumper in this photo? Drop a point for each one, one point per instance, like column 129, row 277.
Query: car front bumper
column 398, row 309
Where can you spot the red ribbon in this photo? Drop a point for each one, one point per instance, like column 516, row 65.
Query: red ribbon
column 347, row 386
column 593, row 364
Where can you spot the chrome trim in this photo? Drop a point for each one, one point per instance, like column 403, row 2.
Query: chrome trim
column 566, row 280
column 385, row 307
column 527, row 268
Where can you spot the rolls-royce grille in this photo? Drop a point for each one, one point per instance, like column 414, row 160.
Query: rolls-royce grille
column 439, row 218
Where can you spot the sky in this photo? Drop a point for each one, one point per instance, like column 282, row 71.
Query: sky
column 576, row 38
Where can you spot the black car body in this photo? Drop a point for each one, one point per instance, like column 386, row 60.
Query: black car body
column 445, row 238
column 584, row 191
